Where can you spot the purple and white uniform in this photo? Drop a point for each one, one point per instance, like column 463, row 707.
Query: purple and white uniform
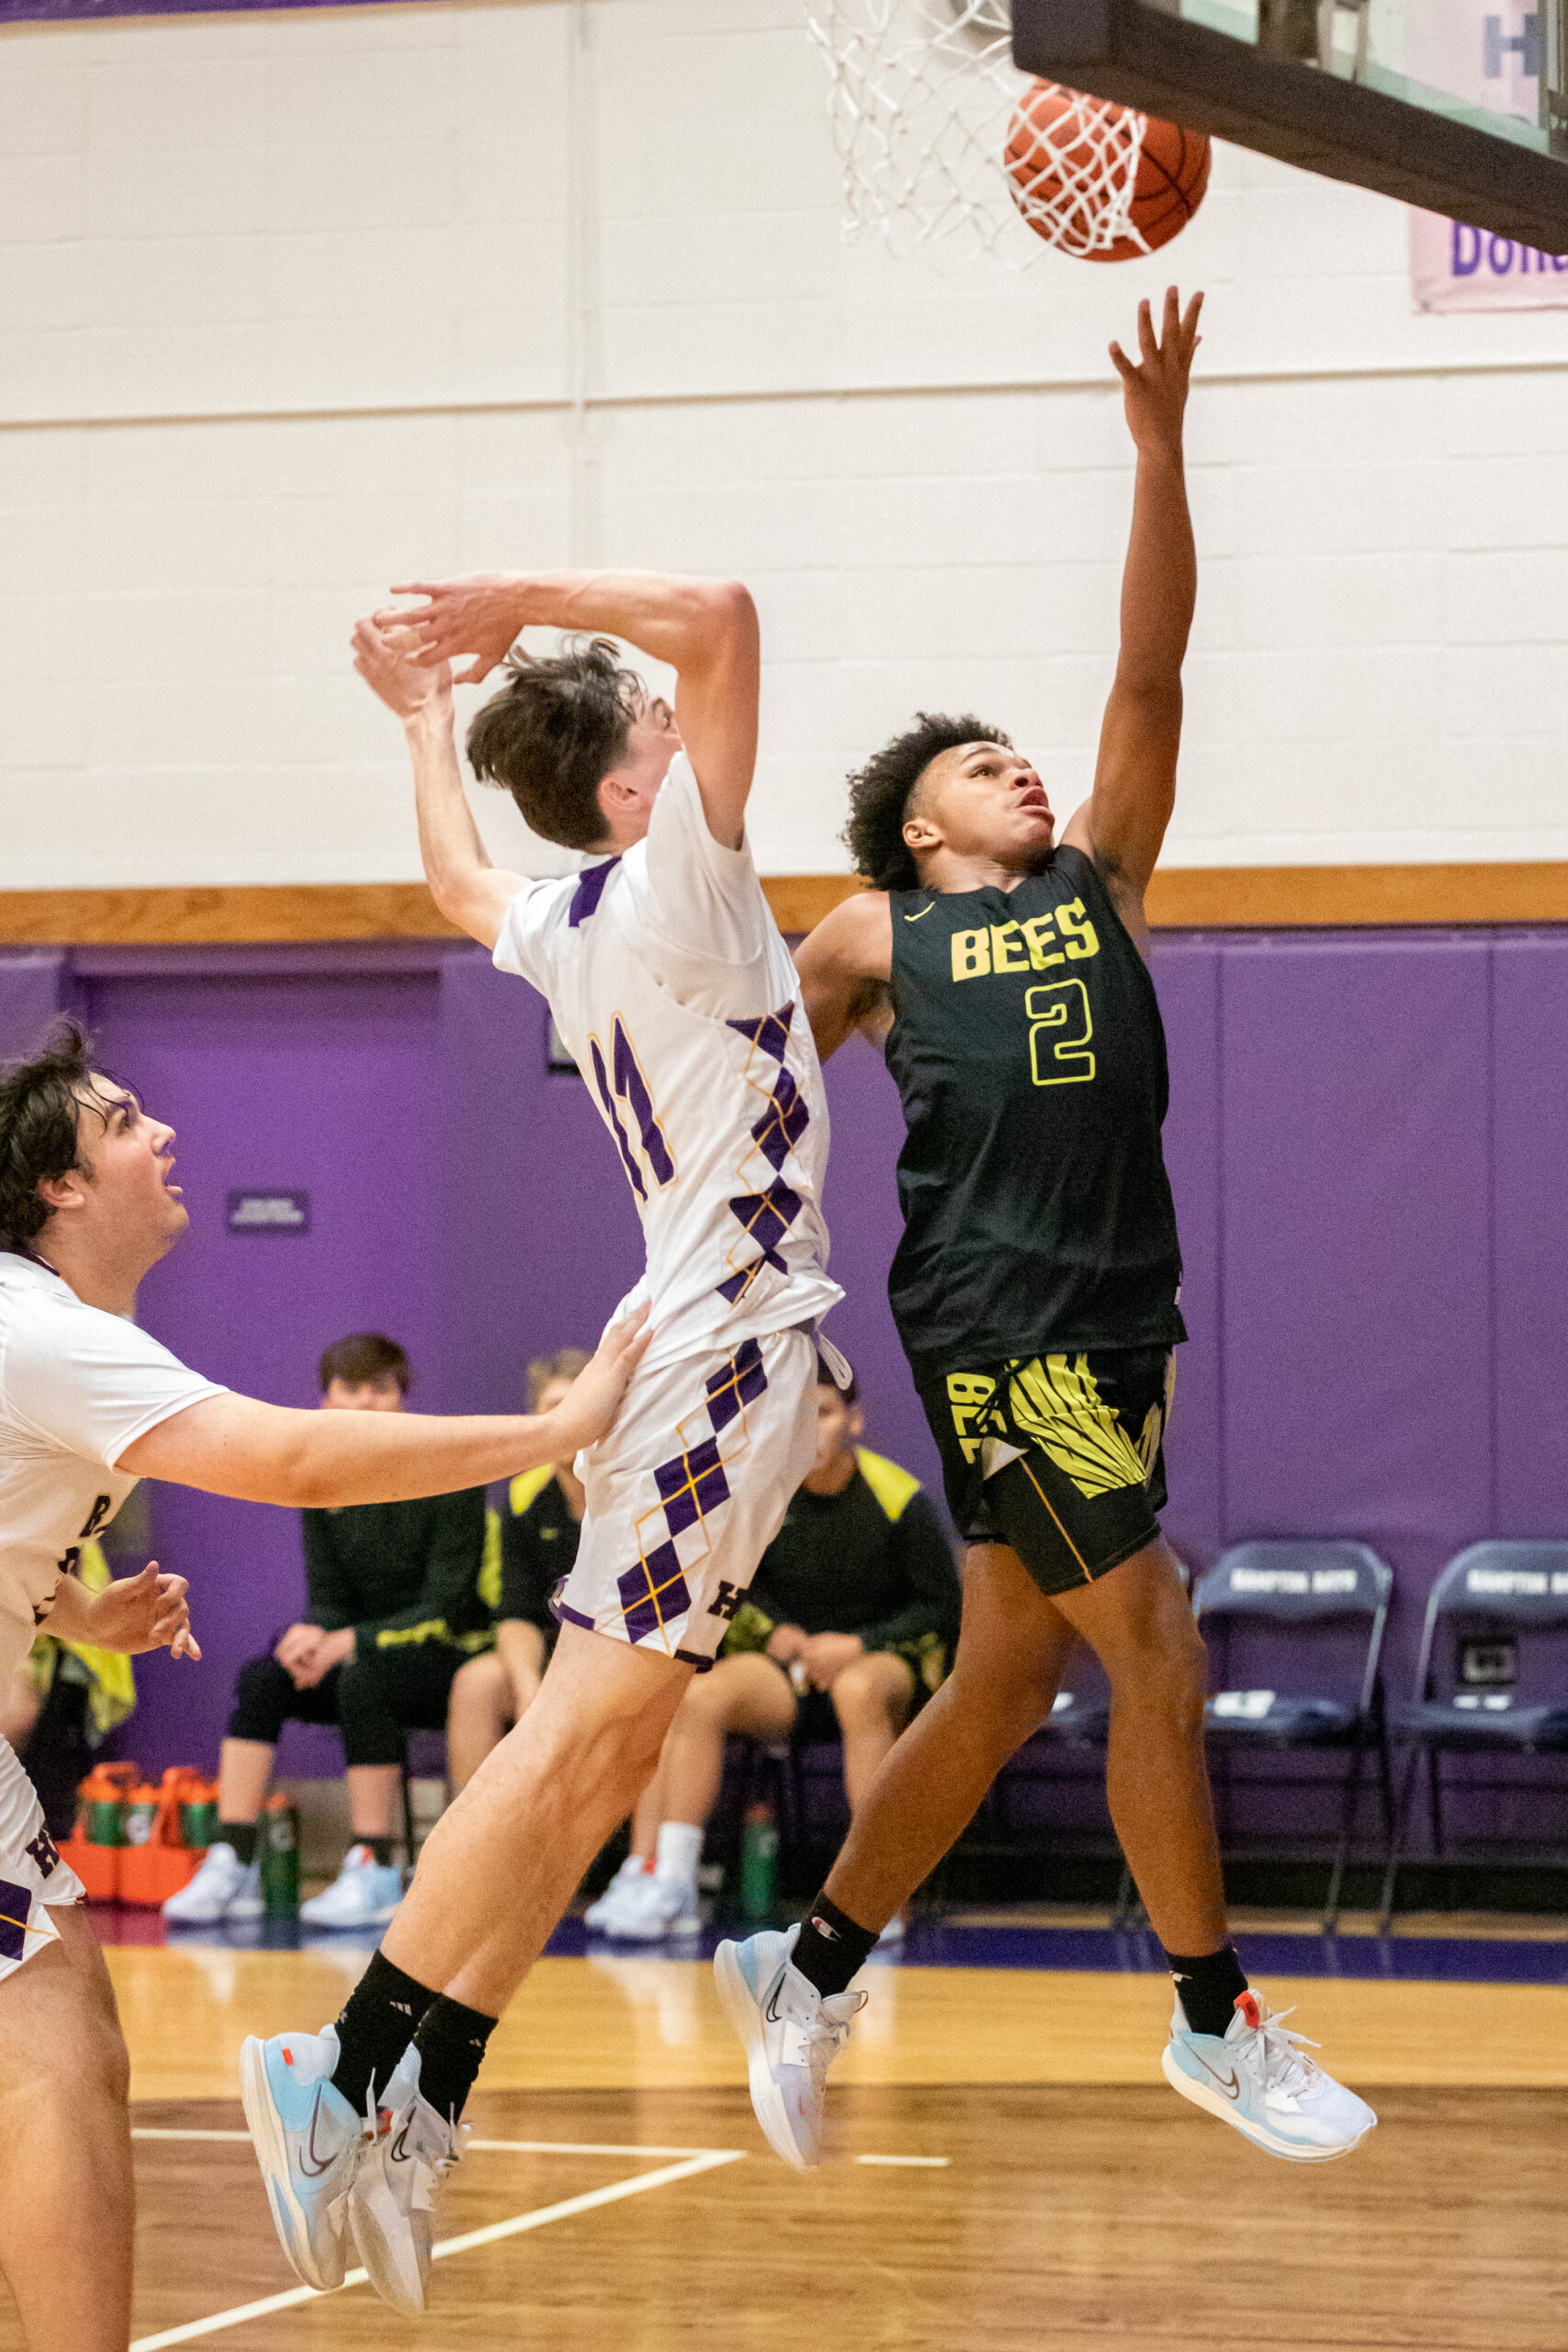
column 78, row 1386
column 681, row 1005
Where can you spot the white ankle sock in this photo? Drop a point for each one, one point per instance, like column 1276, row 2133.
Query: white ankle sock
column 680, row 1850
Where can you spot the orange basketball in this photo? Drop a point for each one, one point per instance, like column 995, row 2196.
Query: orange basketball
column 1062, row 154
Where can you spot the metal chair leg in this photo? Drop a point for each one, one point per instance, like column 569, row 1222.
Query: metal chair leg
column 1396, row 1841
column 1346, row 1831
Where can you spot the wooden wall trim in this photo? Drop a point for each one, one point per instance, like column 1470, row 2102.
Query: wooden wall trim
column 1186, row 898
column 207, row 918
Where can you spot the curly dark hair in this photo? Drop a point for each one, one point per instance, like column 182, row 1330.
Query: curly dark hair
column 40, row 1105
column 879, row 794
column 554, row 732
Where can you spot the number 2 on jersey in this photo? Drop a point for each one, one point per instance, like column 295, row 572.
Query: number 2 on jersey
column 1060, row 1026
column 631, row 1087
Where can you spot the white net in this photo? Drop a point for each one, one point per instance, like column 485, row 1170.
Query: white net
column 924, row 100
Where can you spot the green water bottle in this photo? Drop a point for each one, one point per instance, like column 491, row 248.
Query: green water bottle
column 759, row 1861
column 198, row 1822
column 278, row 1854
column 106, row 1821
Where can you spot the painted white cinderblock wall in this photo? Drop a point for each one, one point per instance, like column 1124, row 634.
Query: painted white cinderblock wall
column 292, row 306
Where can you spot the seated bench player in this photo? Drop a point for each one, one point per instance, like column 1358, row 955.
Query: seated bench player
column 539, row 1532
column 848, row 1623
column 88, row 1405
column 393, row 1615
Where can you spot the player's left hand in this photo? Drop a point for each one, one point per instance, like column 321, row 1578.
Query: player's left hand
column 144, row 1612
column 590, row 1404
column 824, row 1656
column 1155, row 390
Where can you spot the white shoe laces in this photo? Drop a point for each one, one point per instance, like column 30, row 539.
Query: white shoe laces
column 826, row 2034
column 1276, row 2055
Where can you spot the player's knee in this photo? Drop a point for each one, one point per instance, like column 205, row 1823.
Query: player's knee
column 83, row 2055
column 863, row 1695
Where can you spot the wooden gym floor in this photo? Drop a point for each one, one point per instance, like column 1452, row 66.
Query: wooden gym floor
column 1008, row 2171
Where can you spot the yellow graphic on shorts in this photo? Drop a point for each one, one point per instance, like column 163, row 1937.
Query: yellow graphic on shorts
column 1055, row 1400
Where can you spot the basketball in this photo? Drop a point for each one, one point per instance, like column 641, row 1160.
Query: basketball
column 1063, row 157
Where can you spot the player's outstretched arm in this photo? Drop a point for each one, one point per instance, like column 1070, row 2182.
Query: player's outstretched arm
column 269, row 1454
column 467, row 889
column 846, row 967
column 1123, row 823
column 706, row 631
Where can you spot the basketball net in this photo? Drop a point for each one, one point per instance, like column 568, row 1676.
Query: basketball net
column 923, row 96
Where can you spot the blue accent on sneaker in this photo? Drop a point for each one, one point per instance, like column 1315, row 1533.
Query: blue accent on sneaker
column 308, row 2142
column 1260, row 2079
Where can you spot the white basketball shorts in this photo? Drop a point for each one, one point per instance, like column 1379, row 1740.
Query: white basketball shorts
column 687, row 1491
column 33, row 1879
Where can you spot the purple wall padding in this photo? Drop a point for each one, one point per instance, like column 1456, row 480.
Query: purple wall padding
column 1355, row 1175
column 327, row 1081
column 1187, row 976
column 1368, row 1141
column 32, row 989
column 1529, row 1063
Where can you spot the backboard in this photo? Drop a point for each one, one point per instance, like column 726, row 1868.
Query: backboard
column 1459, row 105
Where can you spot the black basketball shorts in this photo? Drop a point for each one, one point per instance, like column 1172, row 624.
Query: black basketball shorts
column 1060, row 1456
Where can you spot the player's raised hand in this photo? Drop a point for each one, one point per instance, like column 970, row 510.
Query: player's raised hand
column 149, row 1612
column 480, row 616
column 587, row 1410
column 1155, row 388
column 387, row 657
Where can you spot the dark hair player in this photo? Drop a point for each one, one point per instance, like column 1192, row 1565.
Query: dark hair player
column 88, row 1405
column 1035, row 1293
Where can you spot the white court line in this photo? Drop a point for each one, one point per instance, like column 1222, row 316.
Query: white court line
column 934, row 2163
column 498, row 2147
column 705, row 2160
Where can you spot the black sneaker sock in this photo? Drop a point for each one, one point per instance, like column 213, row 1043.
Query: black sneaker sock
column 451, row 2042
column 383, row 1849
column 831, row 1948
column 242, row 1836
column 377, row 2026
column 1208, row 1986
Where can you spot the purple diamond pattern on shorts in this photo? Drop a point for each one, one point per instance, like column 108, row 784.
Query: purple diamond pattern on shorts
column 740, row 1383
column 589, row 891
column 692, row 1484
column 16, row 1905
column 652, row 1592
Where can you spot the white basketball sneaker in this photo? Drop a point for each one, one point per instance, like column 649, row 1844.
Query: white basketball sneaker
column 648, row 1909
column 1260, row 2079
column 223, row 1888
column 365, row 1893
column 308, row 2141
column 630, row 1874
column 792, row 2034
column 401, row 2175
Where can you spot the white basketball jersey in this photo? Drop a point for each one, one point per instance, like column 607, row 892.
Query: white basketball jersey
column 682, row 1007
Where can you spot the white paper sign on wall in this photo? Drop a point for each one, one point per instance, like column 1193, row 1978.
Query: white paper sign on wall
column 1456, row 268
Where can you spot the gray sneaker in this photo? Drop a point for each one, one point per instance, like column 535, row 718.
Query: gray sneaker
column 401, row 2173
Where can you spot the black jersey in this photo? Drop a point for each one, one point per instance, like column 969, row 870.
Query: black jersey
column 1028, row 1048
